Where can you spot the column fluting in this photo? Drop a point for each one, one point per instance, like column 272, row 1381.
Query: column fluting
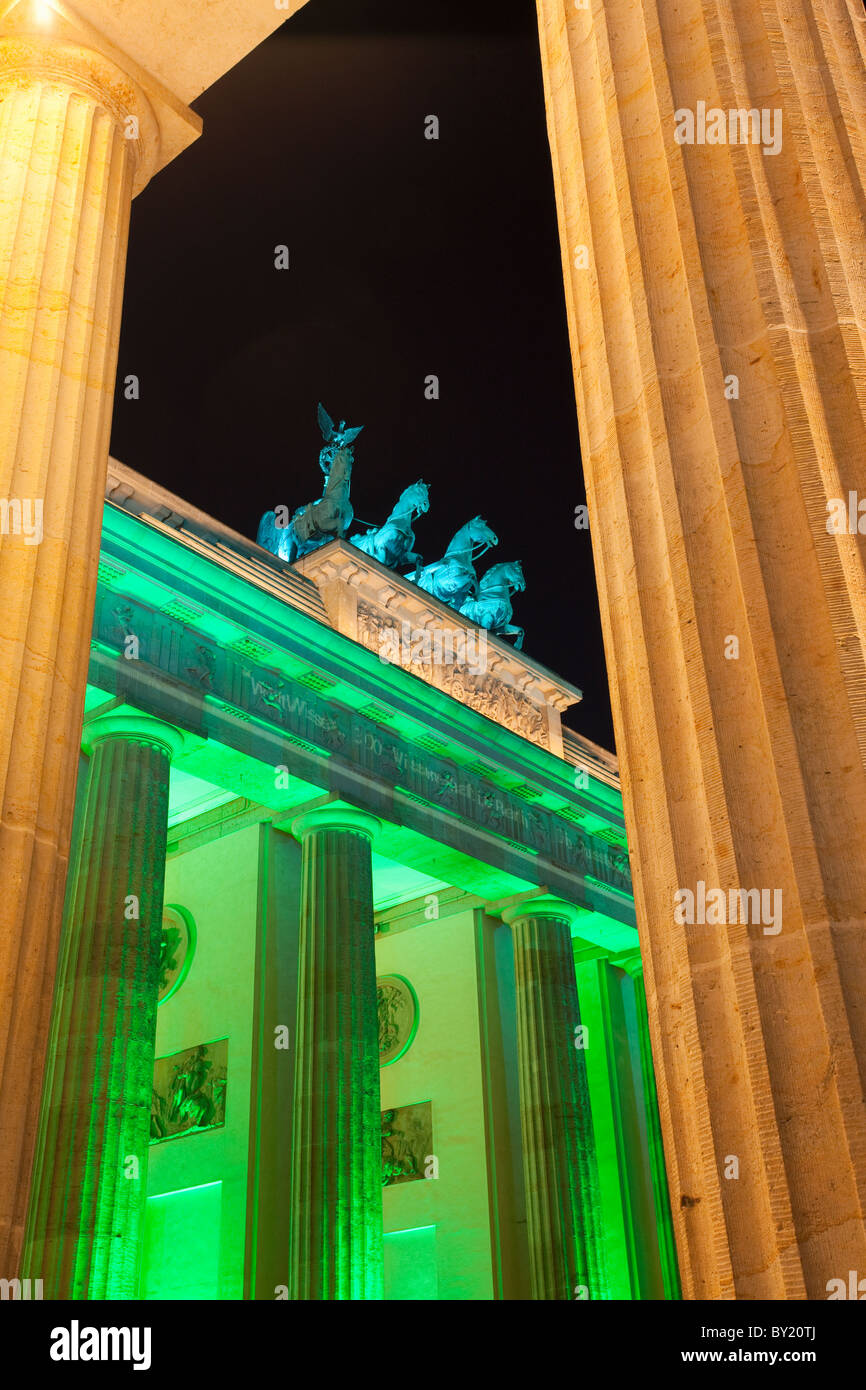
column 563, row 1202
column 90, row 1171
column 336, row 1243
column 68, row 164
column 709, row 164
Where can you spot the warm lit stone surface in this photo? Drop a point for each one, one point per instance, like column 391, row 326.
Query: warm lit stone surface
column 709, row 520
column 187, row 44
column 65, row 186
column 336, row 1247
column 70, row 162
column 51, row 40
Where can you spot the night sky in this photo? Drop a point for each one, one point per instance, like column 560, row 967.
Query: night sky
column 408, row 257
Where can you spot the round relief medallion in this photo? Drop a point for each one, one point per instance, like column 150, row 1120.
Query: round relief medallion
column 398, row 1017
column 176, row 951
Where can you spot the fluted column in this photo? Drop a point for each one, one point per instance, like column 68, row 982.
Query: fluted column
column 563, row 1202
column 77, row 136
column 336, row 1243
column 90, row 1170
column 717, row 309
column 633, row 967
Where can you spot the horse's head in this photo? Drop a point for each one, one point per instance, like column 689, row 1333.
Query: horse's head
column 510, row 572
column 480, row 533
column 416, row 496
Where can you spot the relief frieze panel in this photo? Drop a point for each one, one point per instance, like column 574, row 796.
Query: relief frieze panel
column 480, row 690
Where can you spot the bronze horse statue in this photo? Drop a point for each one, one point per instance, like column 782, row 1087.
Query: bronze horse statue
column 491, row 606
column 391, row 543
column 328, row 517
column 452, row 579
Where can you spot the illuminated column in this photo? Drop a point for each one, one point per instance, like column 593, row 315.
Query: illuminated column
column 637, row 1226
column 336, row 1244
column 78, row 136
column 709, row 166
column 633, row 967
column 90, row 1169
column 269, row 1169
column 559, row 1160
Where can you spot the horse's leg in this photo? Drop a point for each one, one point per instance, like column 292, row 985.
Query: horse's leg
column 377, row 549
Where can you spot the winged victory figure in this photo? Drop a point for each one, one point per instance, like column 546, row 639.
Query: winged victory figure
column 331, row 515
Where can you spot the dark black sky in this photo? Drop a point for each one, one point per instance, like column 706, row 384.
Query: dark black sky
column 407, row 257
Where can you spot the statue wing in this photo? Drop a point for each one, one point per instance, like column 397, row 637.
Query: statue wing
column 349, row 436
column 326, row 424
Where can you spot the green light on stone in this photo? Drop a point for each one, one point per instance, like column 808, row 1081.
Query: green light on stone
column 607, row 1139
column 410, row 1264
column 90, row 1167
column 410, row 1036
column 182, row 1243
column 167, row 963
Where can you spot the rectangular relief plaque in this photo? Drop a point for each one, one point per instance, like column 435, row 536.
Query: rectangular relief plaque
column 407, row 1143
column 189, row 1091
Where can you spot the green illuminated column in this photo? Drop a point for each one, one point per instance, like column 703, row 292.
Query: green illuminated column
column 633, row 966
column 616, row 1086
column 336, row 1246
column 89, row 1180
column 559, row 1161
column 607, row 1066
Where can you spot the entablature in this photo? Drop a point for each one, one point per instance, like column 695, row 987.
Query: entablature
column 244, row 656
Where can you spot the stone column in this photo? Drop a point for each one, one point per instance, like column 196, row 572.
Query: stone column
column 717, row 312
column 563, row 1202
column 632, row 965
column 336, row 1244
column 626, row 1196
column 269, row 1169
column 78, row 135
column 90, row 1169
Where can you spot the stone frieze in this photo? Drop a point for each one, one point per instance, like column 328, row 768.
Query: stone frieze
column 209, row 670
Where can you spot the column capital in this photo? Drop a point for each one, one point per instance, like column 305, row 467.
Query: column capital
column 336, row 818
column 133, row 728
column 546, row 905
column 630, row 961
column 39, row 44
